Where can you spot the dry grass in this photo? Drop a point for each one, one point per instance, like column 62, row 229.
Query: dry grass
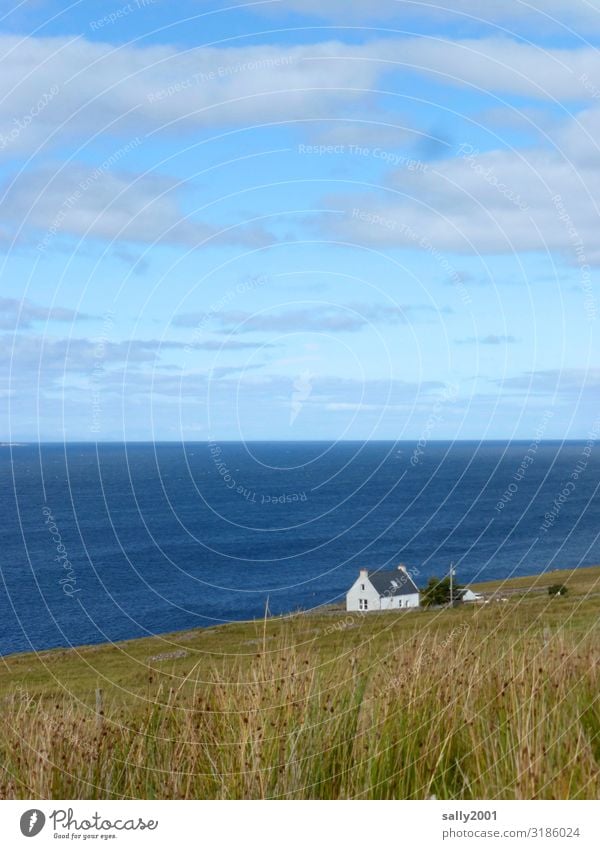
column 469, row 704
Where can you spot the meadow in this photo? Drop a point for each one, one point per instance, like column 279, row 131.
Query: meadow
column 492, row 701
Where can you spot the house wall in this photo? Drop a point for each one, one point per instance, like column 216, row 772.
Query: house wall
column 400, row 601
column 390, row 602
column 355, row 593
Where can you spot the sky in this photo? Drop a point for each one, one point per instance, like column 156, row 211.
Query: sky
column 292, row 219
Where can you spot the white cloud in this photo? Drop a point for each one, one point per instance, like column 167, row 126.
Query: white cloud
column 23, row 313
column 503, row 65
column 490, row 339
column 77, row 201
column 495, row 202
column 77, row 88
column 51, row 356
column 315, row 318
column 542, row 14
column 565, row 382
column 58, row 89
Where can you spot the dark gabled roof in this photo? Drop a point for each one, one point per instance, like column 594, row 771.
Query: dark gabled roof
column 382, row 581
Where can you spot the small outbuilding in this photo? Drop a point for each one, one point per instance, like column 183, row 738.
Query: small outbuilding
column 390, row 590
column 468, row 595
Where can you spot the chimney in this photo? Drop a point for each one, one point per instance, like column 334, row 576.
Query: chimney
column 364, row 573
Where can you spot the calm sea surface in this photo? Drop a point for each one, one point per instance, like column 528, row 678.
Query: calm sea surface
column 115, row 541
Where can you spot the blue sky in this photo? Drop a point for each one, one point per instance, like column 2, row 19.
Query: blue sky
column 288, row 220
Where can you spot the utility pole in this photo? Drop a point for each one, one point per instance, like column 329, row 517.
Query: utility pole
column 452, row 572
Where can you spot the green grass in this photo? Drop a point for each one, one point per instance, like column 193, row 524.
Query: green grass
column 580, row 581
column 487, row 701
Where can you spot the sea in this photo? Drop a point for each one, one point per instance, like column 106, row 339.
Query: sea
column 104, row 542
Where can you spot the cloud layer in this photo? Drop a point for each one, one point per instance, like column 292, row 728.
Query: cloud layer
column 60, row 89
column 543, row 14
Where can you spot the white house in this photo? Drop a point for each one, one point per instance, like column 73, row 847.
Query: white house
column 382, row 591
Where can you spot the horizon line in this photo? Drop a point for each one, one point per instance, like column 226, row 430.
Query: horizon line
column 7, row 443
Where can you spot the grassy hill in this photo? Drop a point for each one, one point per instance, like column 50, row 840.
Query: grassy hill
column 487, row 701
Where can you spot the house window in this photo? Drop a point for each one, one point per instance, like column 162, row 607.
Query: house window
column 363, row 604
column 362, row 586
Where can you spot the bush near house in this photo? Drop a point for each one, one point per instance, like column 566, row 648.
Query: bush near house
column 437, row 591
column 557, row 589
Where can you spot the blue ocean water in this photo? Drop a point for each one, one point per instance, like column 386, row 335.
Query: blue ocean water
column 111, row 541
